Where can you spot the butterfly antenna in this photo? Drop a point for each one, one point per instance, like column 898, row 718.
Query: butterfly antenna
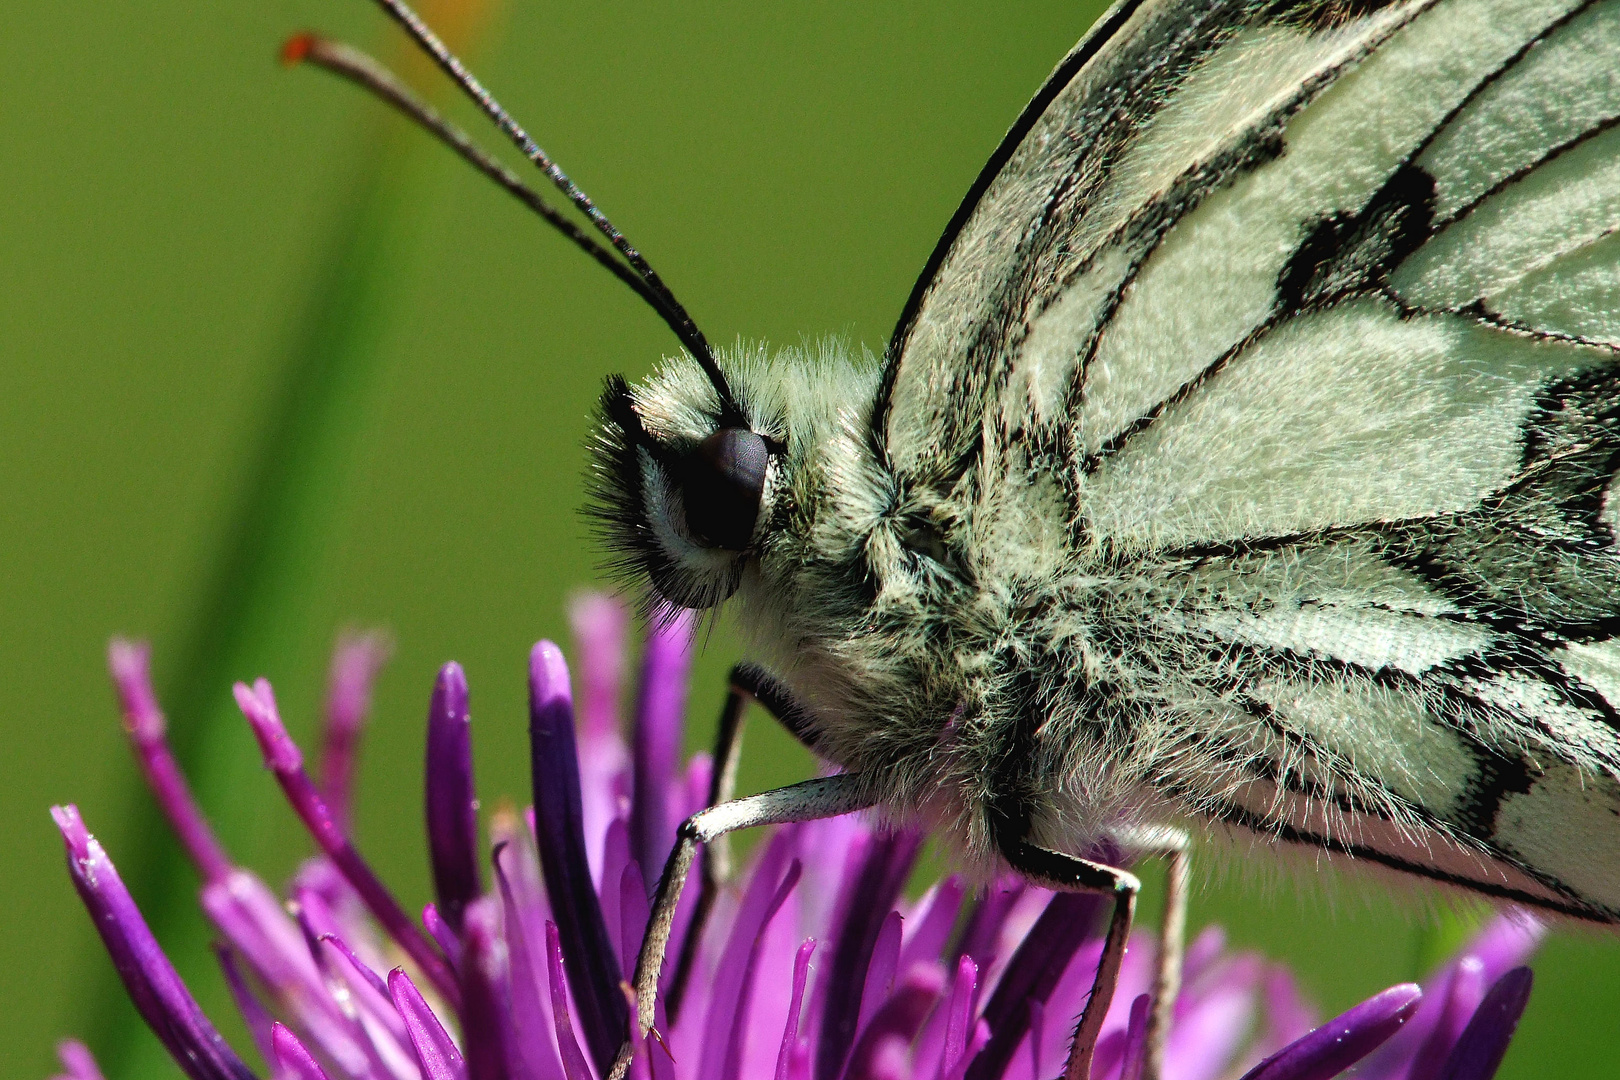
column 671, row 308
column 364, row 70
column 367, row 72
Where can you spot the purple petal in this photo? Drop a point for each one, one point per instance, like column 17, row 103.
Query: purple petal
column 281, row 754
column 524, row 918
column 1135, row 1046
column 1288, row 1015
column 866, row 902
column 435, row 1051
column 1110, row 1051
column 798, row 1063
column 1031, row 974
column 600, row 626
column 1464, row 990
column 880, row 970
column 931, row 929
column 1037, row 1031
column 379, row 1018
column 694, row 797
column 448, row 941
column 355, row 664
column 1218, row 1016
column 130, row 664
column 573, row 1061
column 255, row 1017
column 349, row 919
column 486, row 1013
column 153, row 985
column 356, row 1036
column 615, row 857
column 1505, row 943
column 1069, row 998
column 633, row 913
column 790, row 1032
column 293, row 1062
column 641, row 1046
column 736, row 1039
column 77, row 1059
column 451, row 802
column 252, row 919
column 1484, row 1041
column 659, row 718
column 354, row 966
column 981, row 1036
column 768, row 1015
column 958, row 1019
column 278, row 951
column 1342, row 1041
column 592, row 968
column 728, row 1009
column 890, row 1060
column 899, row 1020
column 833, row 850
column 982, row 933
column 1205, row 950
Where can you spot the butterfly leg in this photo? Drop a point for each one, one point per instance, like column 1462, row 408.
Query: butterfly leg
column 810, row 800
column 715, row 868
column 1171, row 845
column 1055, row 870
column 747, row 683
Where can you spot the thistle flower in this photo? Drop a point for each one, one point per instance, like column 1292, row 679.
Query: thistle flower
column 813, row 965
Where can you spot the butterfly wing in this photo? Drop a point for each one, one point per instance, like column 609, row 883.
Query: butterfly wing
column 1162, row 102
column 1313, row 312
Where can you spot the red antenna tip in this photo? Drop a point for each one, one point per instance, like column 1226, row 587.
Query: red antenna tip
column 296, row 49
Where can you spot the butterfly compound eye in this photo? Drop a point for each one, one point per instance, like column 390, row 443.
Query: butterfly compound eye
column 724, row 480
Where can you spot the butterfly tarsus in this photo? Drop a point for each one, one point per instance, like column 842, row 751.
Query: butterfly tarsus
column 1068, row 873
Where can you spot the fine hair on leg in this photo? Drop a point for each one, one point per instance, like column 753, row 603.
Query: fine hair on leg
column 1055, row 870
column 809, row 800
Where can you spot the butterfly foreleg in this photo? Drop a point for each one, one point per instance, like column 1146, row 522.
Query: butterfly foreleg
column 1055, row 870
column 715, row 867
column 823, row 797
column 747, row 683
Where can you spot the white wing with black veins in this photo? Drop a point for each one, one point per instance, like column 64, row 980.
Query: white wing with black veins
column 1312, row 310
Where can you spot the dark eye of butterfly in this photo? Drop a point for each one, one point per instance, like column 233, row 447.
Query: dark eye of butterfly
column 721, row 483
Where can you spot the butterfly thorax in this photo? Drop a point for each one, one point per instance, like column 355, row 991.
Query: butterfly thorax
column 949, row 641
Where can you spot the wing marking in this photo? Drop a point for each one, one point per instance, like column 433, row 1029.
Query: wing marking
column 1331, row 419
column 1231, row 251
column 1053, row 199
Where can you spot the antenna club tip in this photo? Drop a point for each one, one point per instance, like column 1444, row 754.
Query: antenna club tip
column 296, row 49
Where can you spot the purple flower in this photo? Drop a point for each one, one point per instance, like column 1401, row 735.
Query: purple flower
column 812, row 966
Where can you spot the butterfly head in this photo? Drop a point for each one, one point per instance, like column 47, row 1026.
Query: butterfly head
column 681, row 482
column 698, row 495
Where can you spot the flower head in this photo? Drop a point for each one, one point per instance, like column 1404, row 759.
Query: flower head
column 814, row 965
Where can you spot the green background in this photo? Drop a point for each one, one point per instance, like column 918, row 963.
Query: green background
column 184, row 227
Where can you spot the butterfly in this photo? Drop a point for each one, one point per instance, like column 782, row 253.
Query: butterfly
column 1242, row 464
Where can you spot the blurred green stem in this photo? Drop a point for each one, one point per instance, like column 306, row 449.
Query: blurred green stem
column 255, row 615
